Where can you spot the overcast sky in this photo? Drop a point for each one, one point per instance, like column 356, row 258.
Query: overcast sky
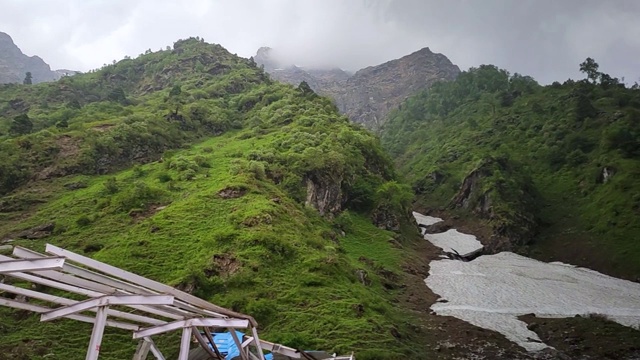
column 546, row 39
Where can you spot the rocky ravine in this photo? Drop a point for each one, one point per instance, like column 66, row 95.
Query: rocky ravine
column 371, row 93
column 14, row 64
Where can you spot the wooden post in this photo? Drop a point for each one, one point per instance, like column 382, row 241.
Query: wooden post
column 254, row 331
column 185, row 344
column 243, row 355
column 96, row 334
column 142, row 350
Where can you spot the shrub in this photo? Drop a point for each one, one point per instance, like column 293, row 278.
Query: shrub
column 111, row 185
column 83, row 221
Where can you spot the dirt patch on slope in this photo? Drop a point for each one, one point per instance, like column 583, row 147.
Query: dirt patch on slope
column 587, row 338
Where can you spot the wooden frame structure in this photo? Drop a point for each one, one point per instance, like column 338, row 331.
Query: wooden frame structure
column 144, row 306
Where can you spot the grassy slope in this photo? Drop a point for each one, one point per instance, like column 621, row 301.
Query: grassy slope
column 559, row 136
column 263, row 253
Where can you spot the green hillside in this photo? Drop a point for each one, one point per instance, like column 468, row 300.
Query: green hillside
column 554, row 168
column 191, row 167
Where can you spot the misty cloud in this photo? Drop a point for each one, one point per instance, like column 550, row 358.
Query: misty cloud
column 543, row 38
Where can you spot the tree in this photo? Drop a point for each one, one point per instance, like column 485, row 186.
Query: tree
column 28, row 79
column 590, row 67
column 21, row 125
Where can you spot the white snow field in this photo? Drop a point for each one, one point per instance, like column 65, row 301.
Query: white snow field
column 491, row 291
column 464, row 244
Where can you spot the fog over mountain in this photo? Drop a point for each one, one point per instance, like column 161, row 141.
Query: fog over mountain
column 545, row 39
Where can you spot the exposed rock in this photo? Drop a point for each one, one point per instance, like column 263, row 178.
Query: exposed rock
column 232, row 192
column 363, row 276
column 514, row 221
column 367, row 96
column 14, row 64
column 385, row 218
column 75, row 185
column 324, row 193
column 223, row 265
column 37, row 232
column 606, row 174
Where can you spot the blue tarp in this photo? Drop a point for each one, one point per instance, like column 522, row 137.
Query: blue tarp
column 227, row 347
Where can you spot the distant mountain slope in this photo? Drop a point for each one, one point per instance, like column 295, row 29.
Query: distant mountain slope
column 14, row 64
column 555, row 167
column 367, row 96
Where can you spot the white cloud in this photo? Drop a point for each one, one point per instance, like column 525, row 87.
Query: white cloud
column 543, row 38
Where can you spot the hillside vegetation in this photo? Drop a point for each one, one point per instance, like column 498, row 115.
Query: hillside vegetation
column 553, row 167
column 191, row 167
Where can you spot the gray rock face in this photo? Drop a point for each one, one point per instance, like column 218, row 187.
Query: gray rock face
column 14, row 64
column 367, row 96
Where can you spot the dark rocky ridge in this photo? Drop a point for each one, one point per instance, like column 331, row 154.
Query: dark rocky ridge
column 14, row 64
column 371, row 93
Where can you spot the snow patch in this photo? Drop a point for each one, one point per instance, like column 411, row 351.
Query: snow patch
column 464, row 244
column 425, row 219
column 493, row 290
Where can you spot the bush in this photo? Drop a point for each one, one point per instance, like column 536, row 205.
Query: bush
column 111, row 185
column 83, row 221
column 164, row 177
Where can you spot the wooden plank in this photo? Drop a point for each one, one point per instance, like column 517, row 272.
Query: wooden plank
column 142, row 350
column 256, row 339
column 197, row 322
column 21, row 265
column 43, row 280
column 154, row 349
column 40, row 309
column 280, row 349
column 96, row 334
column 243, row 353
column 64, row 301
column 204, row 344
column 185, row 344
column 106, row 301
column 142, row 281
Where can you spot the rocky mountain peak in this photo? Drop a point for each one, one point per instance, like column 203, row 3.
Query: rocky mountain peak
column 14, row 64
column 371, row 93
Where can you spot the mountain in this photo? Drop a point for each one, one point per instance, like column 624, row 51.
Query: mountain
column 14, row 64
column 190, row 166
column 551, row 170
column 367, row 96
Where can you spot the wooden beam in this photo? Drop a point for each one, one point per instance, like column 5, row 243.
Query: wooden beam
column 256, row 339
column 64, row 301
column 207, row 332
column 197, row 322
column 142, row 350
column 280, row 349
column 21, row 265
column 204, row 344
column 185, row 344
column 154, row 349
column 243, row 354
column 144, row 282
column 40, row 309
column 106, row 301
column 96, row 334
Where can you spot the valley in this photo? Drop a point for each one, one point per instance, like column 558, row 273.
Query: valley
column 289, row 193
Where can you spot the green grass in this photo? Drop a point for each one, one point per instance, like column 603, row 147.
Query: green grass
column 150, row 200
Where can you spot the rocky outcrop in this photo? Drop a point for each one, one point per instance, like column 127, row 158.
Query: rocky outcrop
column 509, row 206
column 14, row 65
column 324, row 193
column 371, row 93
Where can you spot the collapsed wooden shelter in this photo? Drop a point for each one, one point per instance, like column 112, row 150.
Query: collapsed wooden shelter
column 152, row 308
